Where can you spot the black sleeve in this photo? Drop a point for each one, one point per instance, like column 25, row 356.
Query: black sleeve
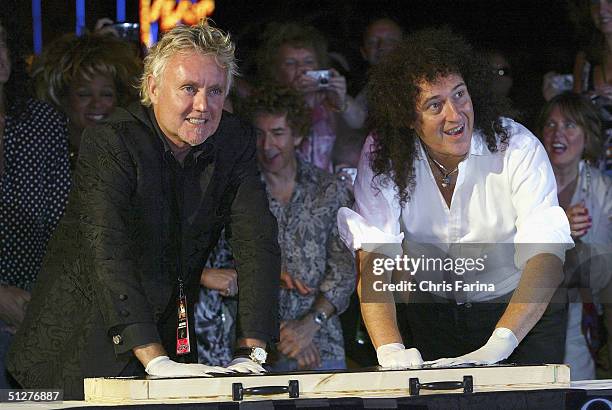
column 254, row 241
column 106, row 180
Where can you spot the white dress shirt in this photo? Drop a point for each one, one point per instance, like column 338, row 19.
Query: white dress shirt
column 505, row 197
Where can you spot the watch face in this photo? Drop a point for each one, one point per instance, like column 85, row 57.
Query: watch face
column 259, row 355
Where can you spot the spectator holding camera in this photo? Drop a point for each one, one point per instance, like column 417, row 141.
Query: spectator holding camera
column 295, row 56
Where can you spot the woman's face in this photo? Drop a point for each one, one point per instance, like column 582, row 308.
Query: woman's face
column 293, row 63
column 90, row 102
column 601, row 13
column 445, row 117
column 5, row 60
column 563, row 139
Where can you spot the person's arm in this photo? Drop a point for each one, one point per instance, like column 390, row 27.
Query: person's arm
column 355, row 112
column 379, row 318
column 105, row 183
column 57, row 178
column 579, row 64
column 252, row 234
column 542, row 275
column 376, row 220
column 148, row 352
column 338, row 284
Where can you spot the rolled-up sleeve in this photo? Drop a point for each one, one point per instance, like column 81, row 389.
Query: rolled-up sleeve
column 375, row 217
column 542, row 226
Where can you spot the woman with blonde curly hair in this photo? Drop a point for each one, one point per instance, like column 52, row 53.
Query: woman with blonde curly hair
column 86, row 77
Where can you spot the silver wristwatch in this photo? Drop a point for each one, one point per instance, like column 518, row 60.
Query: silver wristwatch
column 319, row 317
column 256, row 354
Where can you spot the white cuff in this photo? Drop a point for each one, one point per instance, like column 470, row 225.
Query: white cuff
column 355, row 231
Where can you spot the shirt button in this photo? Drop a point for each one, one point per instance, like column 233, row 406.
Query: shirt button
column 122, row 297
column 468, row 305
column 124, row 313
column 117, row 339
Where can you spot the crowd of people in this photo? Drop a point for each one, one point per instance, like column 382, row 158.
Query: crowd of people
column 163, row 216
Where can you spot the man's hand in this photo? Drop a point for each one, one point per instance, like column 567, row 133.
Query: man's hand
column 336, row 92
column 289, row 282
column 162, row 366
column 223, row 280
column 500, row 345
column 296, row 335
column 308, row 358
column 579, row 220
column 396, row 356
column 13, row 304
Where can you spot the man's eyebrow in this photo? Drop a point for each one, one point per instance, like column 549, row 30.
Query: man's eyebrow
column 435, row 97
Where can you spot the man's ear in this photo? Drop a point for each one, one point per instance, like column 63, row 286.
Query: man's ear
column 153, row 89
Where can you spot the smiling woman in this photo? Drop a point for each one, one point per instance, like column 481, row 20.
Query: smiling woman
column 86, row 77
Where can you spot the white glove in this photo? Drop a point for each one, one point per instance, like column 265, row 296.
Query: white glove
column 244, row 365
column 500, row 345
column 164, row 367
column 396, row 356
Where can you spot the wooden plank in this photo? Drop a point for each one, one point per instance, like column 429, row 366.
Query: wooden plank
column 371, row 383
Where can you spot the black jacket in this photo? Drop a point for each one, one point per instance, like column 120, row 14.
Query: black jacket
column 137, row 222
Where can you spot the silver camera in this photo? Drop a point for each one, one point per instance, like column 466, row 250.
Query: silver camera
column 322, row 77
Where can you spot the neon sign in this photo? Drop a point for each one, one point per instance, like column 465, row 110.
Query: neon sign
column 165, row 14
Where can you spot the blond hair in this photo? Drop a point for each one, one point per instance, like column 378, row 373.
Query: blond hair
column 70, row 58
column 202, row 38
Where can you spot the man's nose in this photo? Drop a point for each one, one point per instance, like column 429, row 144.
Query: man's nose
column 267, row 142
column 200, row 103
column 452, row 112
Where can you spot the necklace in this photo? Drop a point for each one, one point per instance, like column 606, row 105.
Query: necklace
column 446, row 174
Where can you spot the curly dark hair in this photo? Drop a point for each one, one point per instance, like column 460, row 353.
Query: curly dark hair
column 293, row 34
column 273, row 99
column 580, row 109
column 393, row 90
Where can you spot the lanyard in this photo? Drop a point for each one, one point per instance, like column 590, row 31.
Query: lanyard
column 183, row 345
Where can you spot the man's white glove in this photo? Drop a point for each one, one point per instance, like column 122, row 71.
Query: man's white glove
column 500, row 345
column 164, row 367
column 244, row 365
column 396, row 356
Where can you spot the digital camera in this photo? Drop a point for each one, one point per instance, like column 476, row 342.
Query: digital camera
column 322, row 77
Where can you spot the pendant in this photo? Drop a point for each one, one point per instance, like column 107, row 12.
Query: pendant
column 445, row 181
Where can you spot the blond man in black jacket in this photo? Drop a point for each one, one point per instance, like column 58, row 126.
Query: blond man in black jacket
column 154, row 186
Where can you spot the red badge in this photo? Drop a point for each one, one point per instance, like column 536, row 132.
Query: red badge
column 182, row 329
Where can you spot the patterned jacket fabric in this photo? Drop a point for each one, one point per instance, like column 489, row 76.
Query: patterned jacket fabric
column 313, row 252
column 136, row 222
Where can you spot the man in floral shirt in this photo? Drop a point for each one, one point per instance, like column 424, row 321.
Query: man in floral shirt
column 317, row 269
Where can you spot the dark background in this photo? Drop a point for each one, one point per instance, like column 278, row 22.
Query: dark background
column 536, row 34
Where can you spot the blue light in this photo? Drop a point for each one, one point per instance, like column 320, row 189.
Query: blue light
column 120, row 11
column 37, row 26
column 153, row 30
column 80, row 17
